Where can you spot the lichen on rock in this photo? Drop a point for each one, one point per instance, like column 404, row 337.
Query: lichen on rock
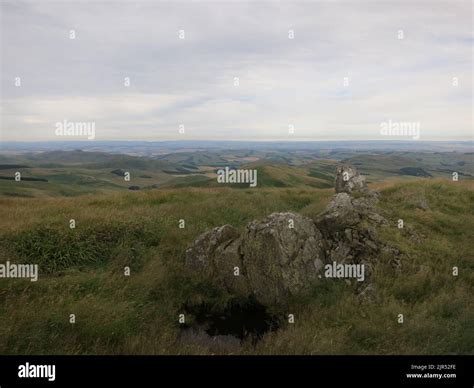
column 279, row 255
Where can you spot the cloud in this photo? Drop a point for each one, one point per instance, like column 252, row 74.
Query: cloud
column 282, row 81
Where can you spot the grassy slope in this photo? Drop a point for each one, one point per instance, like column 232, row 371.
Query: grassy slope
column 75, row 173
column 440, row 165
column 136, row 315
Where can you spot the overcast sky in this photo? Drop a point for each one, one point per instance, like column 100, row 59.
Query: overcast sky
column 282, row 81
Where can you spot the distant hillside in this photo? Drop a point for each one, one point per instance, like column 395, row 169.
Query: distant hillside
column 431, row 164
column 76, row 172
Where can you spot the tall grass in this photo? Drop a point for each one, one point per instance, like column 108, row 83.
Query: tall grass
column 81, row 273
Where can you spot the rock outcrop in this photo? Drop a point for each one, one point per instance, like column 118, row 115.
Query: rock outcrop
column 285, row 253
column 348, row 180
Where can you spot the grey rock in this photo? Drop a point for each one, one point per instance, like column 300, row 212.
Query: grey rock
column 348, row 180
column 318, row 264
column 215, row 255
column 340, row 214
column 203, row 251
column 279, row 260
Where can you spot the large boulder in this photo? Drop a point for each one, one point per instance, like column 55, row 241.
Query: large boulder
column 215, row 256
column 282, row 256
column 207, row 248
column 273, row 259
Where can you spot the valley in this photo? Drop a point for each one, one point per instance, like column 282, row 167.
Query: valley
column 78, row 172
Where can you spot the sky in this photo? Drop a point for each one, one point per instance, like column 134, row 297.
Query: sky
column 266, row 70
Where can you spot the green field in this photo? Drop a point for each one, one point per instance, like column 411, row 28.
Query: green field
column 81, row 270
column 72, row 173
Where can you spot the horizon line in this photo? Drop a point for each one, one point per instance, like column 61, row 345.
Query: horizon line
column 240, row 140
